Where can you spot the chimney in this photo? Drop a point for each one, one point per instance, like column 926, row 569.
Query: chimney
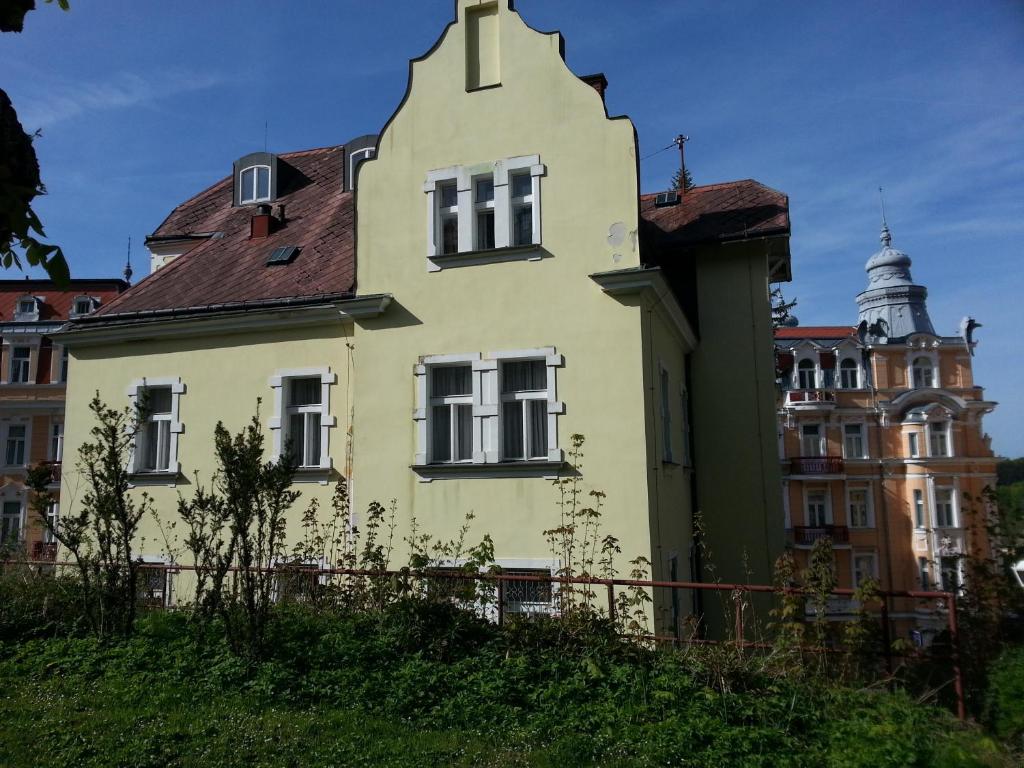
column 598, row 82
column 280, row 214
column 259, row 225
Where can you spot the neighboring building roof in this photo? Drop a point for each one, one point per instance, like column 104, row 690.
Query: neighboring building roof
column 816, row 332
column 230, row 268
column 733, row 210
column 56, row 302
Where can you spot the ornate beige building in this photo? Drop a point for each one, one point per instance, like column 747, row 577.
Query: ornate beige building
column 881, row 443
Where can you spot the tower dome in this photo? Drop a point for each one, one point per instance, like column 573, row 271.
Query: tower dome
column 892, row 306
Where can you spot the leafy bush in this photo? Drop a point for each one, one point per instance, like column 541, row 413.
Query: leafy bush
column 1004, row 700
column 34, row 605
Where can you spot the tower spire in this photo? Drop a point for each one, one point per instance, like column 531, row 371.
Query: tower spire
column 128, row 265
column 886, row 236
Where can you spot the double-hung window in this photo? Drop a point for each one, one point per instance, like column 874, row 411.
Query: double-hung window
column 938, row 438
column 156, row 442
column 522, row 207
column 811, row 441
column 451, row 413
column 859, row 504
column 302, row 421
column 254, row 184
column 53, row 518
column 20, row 365
column 919, row 513
column 913, row 445
column 806, row 378
column 944, row 517
column 848, row 378
column 303, row 412
column 483, row 209
column 524, row 410
column 853, row 441
column 154, row 449
column 448, row 217
column 10, row 523
column 864, row 567
column 57, row 441
column 923, row 373
column 14, row 455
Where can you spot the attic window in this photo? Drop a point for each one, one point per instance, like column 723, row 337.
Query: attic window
column 27, row 308
column 283, row 255
column 665, row 199
column 83, row 305
column 254, row 184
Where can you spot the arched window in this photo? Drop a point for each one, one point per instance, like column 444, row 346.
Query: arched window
column 924, row 373
column 254, row 184
column 848, row 374
column 805, row 374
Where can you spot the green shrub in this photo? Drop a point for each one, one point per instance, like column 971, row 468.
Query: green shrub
column 1004, row 700
column 34, row 605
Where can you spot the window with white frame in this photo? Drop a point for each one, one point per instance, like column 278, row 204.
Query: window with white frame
column 923, row 373
column 913, row 445
column 865, row 566
column 524, row 410
column 302, row 420
column 20, row 357
column 64, row 364
column 859, row 506
column 254, row 184
column 156, row 442
column 451, row 413
column 853, row 441
column 848, row 374
column 474, row 409
column 666, row 417
column 27, row 308
column 10, row 523
column 818, row 512
column 53, row 518
column 945, row 516
column 57, row 441
column 924, row 574
column 812, row 441
column 525, row 596
column 919, row 511
column 938, row 438
column 15, row 448
column 806, row 378
column 486, row 206
column 483, row 207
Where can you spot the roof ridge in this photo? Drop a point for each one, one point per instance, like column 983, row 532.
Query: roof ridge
column 716, row 185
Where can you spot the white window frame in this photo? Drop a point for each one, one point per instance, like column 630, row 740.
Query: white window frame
column 487, row 402
column 952, row 507
column 90, row 301
column 931, row 372
column 255, row 198
column 5, row 433
column 277, row 423
column 64, row 364
column 26, row 368
column 530, row 564
column 464, row 177
column 862, row 436
column 452, row 401
column 4, row 501
column 869, row 510
column 919, row 508
column 945, row 433
column 914, row 444
column 56, row 443
column 20, row 315
column 860, row 554
column 484, row 206
column 855, row 370
column 822, row 446
column 53, row 515
column 135, row 392
column 829, row 519
column 814, row 372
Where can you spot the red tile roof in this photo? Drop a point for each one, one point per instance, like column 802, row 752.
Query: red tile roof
column 56, row 303
column 231, row 268
column 816, row 332
column 717, row 212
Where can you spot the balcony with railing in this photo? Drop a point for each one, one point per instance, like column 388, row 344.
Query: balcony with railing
column 810, row 399
column 816, row 465
column 808, row 535
column 54, row 469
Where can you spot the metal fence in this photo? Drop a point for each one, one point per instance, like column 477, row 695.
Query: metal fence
column 536, row 593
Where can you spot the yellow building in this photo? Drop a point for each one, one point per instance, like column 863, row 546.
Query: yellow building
column 882, row 446
column 503, row 287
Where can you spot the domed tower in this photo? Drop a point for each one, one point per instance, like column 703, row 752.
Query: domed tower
column 892, row 307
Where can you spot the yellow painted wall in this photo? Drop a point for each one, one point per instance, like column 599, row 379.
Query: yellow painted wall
column 540, row 108
column 223, row 376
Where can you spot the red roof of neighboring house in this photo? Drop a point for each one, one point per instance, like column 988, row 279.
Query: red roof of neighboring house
column 230, row 267
column 716, row 212
column 56, row 302
column 816, row 332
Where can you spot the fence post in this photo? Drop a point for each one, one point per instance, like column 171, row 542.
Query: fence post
column 737, row 600
column 611, row 601
column 501, row 602
column 954, row 642
column 886, row 636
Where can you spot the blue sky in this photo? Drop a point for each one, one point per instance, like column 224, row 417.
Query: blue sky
column 144, row 104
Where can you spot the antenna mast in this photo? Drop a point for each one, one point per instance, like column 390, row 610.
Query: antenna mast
column 680, row 141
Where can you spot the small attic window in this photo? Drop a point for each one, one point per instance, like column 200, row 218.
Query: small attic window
column 27, row 308
column 83, row 305
column 254, row 184
column 282, row 255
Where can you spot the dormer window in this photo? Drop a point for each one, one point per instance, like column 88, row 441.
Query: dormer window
column 27, row 308
column 83, row 305
column 254, row 184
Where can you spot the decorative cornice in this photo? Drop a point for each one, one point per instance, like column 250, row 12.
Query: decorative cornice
column 649, row 283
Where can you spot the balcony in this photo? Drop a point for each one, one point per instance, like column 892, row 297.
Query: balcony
column 816, row 465
column 806, row 536
column 54, row 469
column 810, row 399
column 44, row 550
